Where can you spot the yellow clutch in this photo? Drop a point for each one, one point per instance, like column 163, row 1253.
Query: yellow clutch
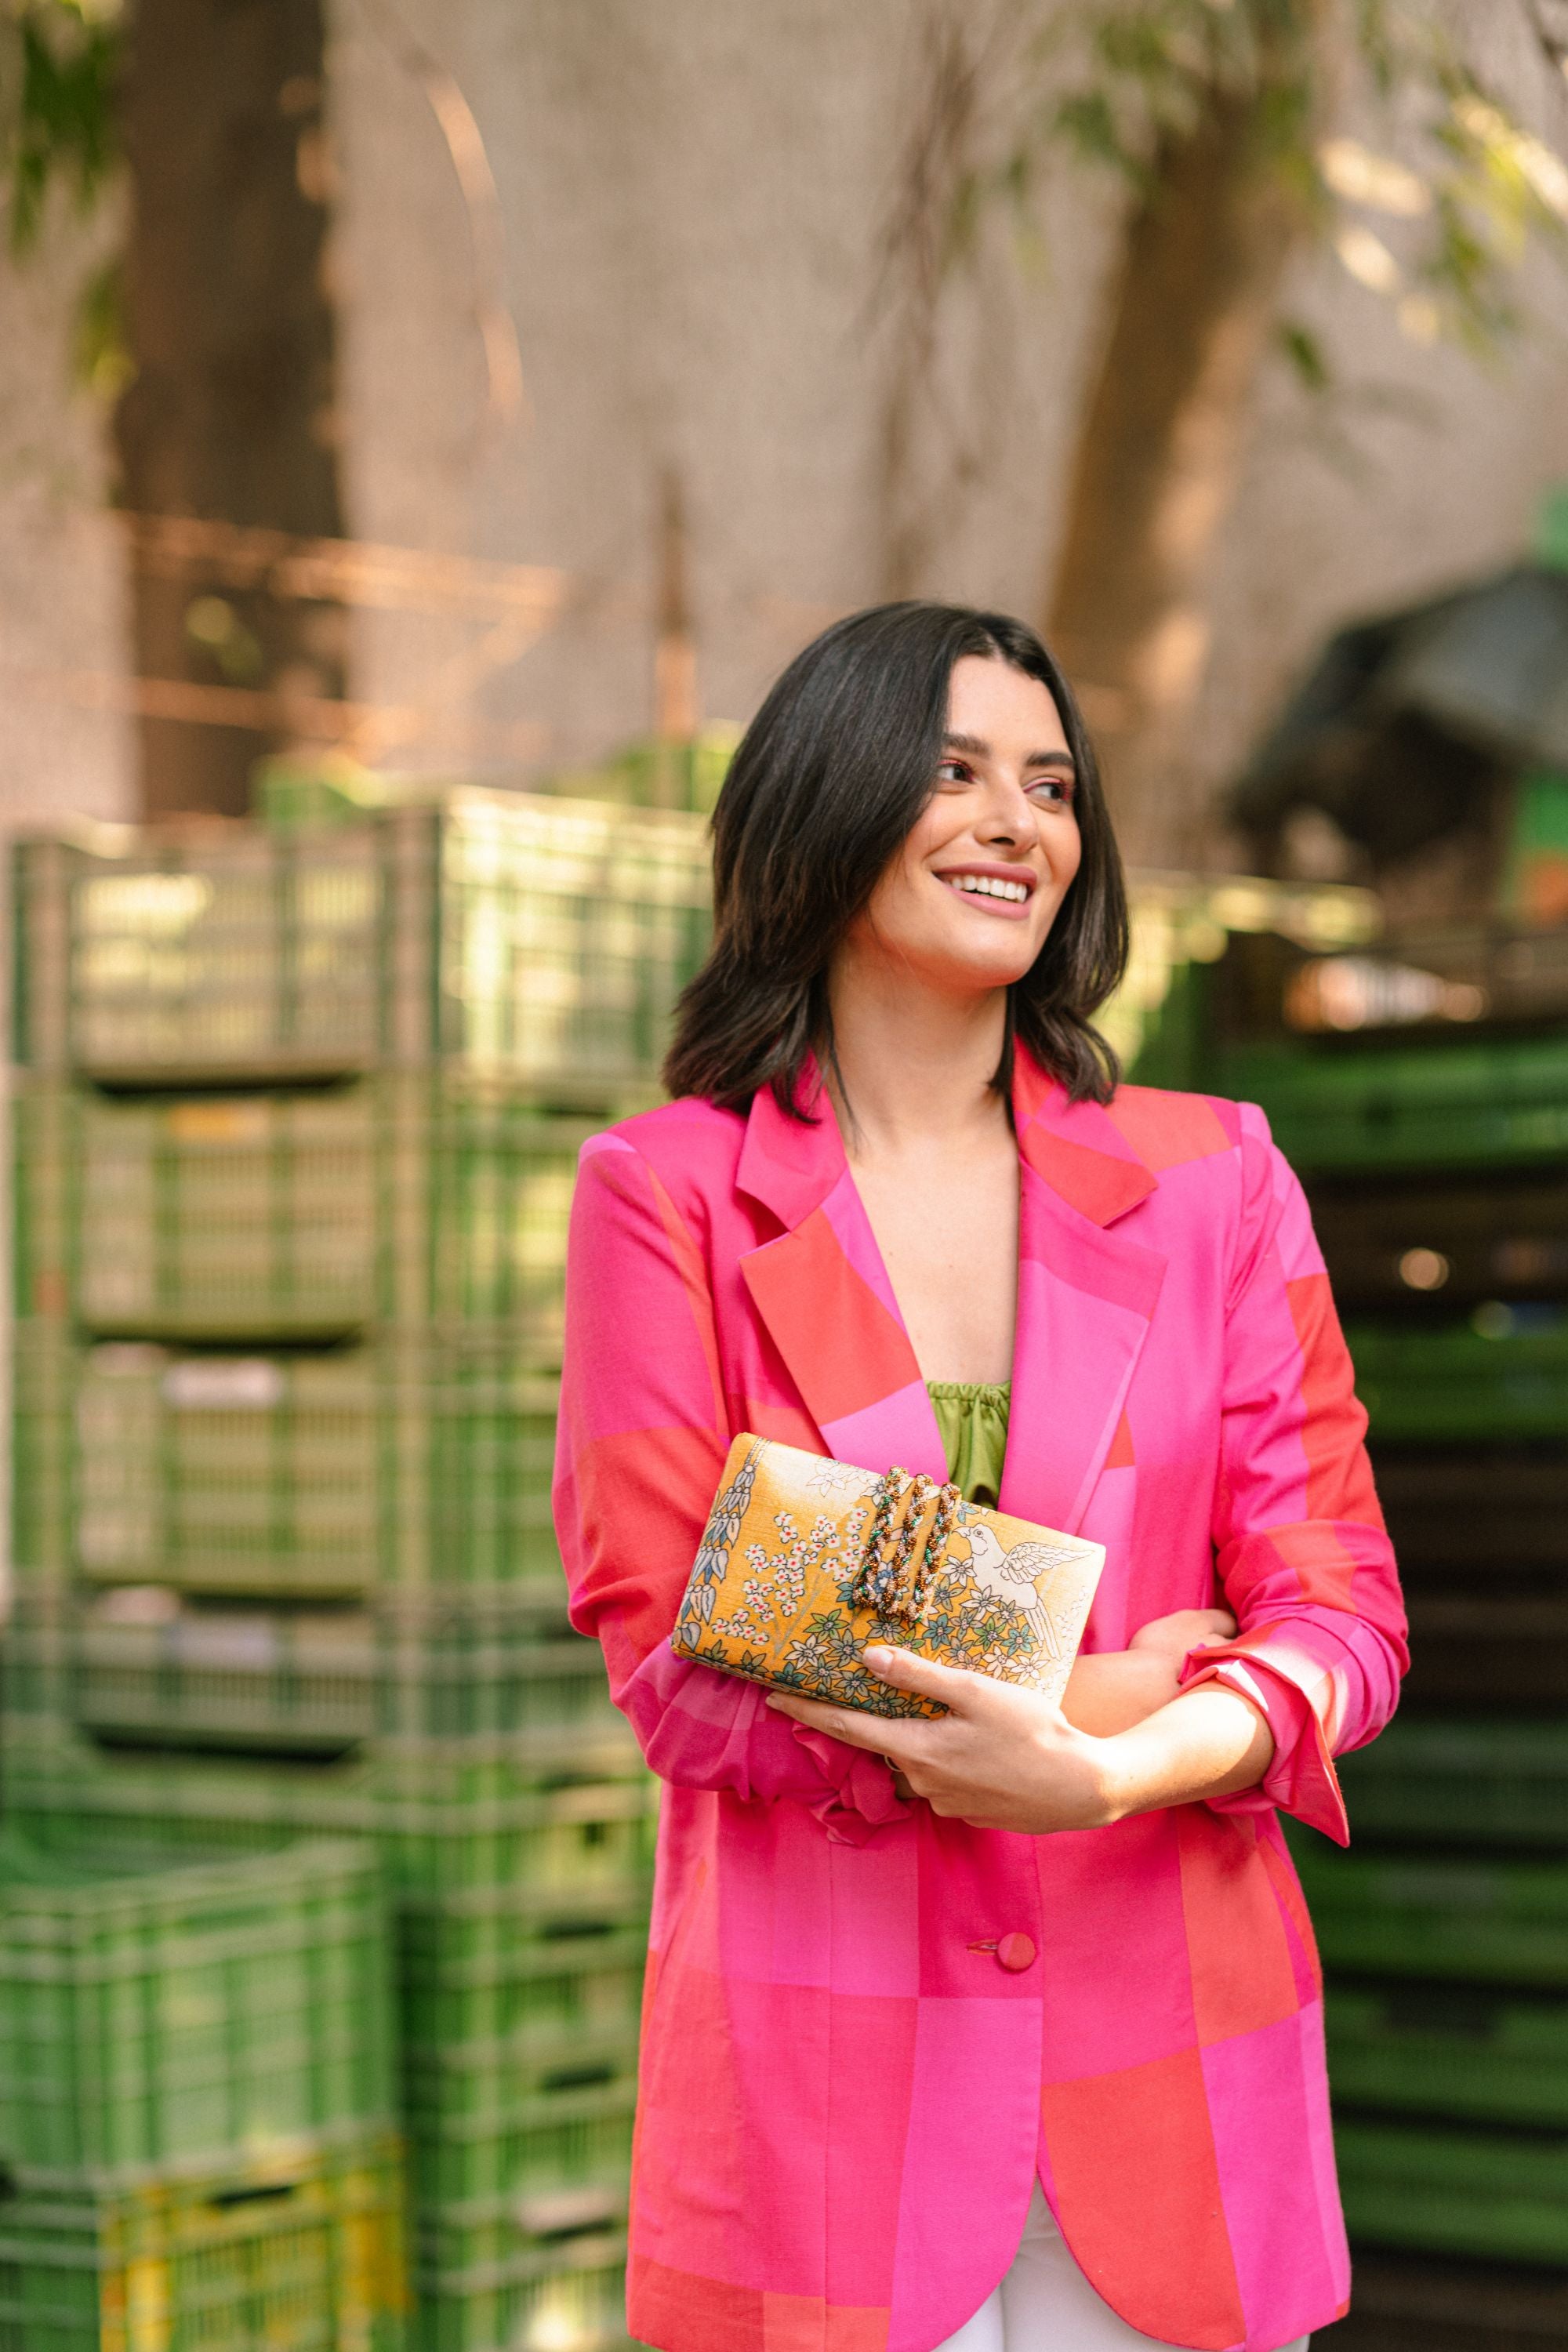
column 805, row 1560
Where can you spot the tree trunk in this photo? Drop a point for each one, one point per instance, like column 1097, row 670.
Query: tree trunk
column 1159, row 451
column 230, row 416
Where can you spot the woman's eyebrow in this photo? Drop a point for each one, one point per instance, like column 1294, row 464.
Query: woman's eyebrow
column 978, row 748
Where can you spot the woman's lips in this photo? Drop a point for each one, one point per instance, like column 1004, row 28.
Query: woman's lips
column 1012, row 911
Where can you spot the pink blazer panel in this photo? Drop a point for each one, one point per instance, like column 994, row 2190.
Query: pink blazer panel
column 847, row 2095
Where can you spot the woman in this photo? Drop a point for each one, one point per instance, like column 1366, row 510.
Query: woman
column 999, row 2030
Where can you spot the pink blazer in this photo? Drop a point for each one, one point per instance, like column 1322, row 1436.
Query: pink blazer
column 847, row 2093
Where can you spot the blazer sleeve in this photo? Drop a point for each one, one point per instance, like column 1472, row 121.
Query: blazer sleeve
column 641, row 1440
column 1302, row 1552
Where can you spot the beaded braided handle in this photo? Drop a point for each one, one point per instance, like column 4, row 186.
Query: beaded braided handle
column 891, row 1579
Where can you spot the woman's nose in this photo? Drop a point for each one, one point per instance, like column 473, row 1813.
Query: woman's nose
column 1008, row 817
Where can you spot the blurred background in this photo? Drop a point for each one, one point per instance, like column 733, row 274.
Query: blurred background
column 424, row 434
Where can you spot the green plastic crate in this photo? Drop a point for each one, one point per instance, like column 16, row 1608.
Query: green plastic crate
column 398, row 1466
column 157, row 2013
column 302, row 2260
column 541, row 939
column 1450, row 2049
column 479, row 1935
column 1340, row 1108
column 324, row 1681
column 472, row 2173
column 295, row 1215
column 562, row 2285
column 1415, row 987
column 1457, row 1240
column 577, row 1971
column 1482, row 1782
column 1503, row 2195
column 1472, row 1512
column 1430, row 1918
column 1507, row 1381
column 1486, row 1648
column 445, row 1821
column 1417, row 2301
column 467, row 2086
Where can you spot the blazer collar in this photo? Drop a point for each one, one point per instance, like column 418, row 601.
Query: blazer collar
column 1084, row 1300
column 1074, row 1148
column 823, row 1295
column 792, row 1165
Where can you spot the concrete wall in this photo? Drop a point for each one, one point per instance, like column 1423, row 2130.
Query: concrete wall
column 693, row 195
column 64, row 736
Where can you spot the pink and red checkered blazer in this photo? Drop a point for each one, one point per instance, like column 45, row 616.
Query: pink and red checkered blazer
column 846, row 2095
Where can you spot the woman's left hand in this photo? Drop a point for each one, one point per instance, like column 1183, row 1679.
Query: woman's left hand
column 1001, row 1758
column 1004, row 1758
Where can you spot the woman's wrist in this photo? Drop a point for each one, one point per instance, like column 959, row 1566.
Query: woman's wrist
column 1071, row 1780
column 1207, row 1742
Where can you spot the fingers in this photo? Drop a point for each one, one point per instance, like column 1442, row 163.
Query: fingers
column 904, row 1740
column 1209, row 1627
column 1184, row 1629
column 906, row 1670
column 884, row 1736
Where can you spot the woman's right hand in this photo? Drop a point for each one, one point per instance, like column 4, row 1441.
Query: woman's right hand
column 1003, row 1757
column 1111, row 1690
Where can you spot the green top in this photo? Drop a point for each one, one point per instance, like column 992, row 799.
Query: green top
column 973, row 1418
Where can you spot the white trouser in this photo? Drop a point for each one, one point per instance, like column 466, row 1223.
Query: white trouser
column 1046, row 2305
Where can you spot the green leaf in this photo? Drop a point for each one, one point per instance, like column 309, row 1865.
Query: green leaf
column 1374, row 39
column 65, row 124
column 1300, row 347
column 1087, row 121
column 100, row 355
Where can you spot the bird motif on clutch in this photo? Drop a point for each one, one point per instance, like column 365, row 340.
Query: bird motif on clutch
column 1011, row 1576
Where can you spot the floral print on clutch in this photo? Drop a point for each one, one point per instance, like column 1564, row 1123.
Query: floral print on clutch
column 805, row 1560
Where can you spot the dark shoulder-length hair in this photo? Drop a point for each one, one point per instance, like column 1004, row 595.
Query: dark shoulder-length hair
column 827, row 781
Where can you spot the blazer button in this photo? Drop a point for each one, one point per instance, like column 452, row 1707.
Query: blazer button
column 1015, row 1953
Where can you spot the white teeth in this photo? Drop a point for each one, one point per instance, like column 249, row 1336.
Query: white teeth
column 982, row 886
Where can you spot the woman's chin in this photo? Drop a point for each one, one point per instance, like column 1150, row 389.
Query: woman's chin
column 974, row 975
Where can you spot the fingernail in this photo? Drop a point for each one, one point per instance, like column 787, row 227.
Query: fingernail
column 877, row 1657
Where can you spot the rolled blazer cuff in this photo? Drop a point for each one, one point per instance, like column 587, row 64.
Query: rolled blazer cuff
column 862, row 1798
column 1301, row 1780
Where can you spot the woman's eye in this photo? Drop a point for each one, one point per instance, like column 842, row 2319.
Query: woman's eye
column 1056, row 788
column 953, row 772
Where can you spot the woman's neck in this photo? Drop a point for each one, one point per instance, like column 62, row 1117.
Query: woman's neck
column 911, row 1063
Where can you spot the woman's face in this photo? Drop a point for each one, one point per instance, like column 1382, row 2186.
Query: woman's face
column 968, row 900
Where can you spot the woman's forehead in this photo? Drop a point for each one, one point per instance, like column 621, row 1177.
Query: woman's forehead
column 989, row 700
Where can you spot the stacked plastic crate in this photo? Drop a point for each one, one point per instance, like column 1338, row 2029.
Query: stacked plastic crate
column 197, row 2100
column 296, row 1131
column 1423, row 1092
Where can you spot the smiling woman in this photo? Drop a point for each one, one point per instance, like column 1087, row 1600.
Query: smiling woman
column 831, row 780
column 997, row 2031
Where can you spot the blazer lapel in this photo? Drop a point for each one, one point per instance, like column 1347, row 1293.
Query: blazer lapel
column 1086, row 1296
column 823, row 1293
